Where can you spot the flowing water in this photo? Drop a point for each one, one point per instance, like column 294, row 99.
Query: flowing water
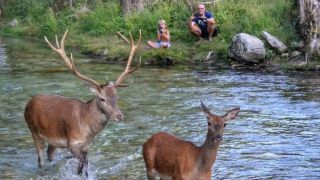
column 276, row 135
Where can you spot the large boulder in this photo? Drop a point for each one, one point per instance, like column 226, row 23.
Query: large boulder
column 247, row 48
column 274, row 42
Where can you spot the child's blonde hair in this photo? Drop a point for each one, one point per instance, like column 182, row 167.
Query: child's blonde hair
column 161, row 21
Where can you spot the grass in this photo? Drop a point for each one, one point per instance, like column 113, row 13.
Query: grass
column 96, row 32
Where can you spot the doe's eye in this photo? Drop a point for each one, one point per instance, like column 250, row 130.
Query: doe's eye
column 224, row 125
column 209, row 123
column 102, row 100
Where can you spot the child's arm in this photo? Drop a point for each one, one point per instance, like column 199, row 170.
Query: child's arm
column 165, row 35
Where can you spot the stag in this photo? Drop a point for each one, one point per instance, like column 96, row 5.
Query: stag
column 65, row 122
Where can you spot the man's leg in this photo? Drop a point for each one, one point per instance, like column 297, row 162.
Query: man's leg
column 194, row 29
column 211, row 28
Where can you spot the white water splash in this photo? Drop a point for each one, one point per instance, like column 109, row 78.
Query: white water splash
column 121, row 163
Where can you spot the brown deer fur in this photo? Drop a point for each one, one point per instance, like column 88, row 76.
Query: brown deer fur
column 70, row 123
column 169, row 157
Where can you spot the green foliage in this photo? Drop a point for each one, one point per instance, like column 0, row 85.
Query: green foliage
column 105, row 19
column 50, row 25
column 165, row 56
column 232, row 16
column 253, row 17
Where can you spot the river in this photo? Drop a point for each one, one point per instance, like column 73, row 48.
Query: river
column 275, row 136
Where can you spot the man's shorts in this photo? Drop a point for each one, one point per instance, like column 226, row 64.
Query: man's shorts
column 205, row 34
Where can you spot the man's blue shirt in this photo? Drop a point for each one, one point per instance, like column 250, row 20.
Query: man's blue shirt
column 202, row 23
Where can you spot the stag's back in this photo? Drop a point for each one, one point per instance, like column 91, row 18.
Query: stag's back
column 51, row 116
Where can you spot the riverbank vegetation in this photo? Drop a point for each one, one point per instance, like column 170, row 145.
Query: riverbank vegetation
column 95, row 33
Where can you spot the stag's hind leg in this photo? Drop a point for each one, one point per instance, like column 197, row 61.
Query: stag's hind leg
column 50, row 152
column 39, row 142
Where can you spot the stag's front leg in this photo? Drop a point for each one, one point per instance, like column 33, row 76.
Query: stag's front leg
column 81, row 155
column 50, row 152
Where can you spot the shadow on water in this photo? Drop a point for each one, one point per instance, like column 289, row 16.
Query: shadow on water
column 275, row 136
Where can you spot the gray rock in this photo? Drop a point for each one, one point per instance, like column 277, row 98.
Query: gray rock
column 83, row 11
column 247, row 48
column 13, row 23
column 275, row 43
column 295, row 54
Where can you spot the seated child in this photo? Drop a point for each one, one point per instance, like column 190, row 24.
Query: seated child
column 163, row 36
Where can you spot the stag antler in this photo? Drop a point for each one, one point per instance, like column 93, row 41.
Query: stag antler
column 127, row 70
column 69, row 62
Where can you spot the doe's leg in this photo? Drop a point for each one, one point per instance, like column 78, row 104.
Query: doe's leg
column 151, row 175
column 39, row 143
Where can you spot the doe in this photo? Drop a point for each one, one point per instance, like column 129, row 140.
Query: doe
column 172, row 158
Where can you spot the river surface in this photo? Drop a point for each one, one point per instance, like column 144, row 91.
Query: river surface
column 275, row 136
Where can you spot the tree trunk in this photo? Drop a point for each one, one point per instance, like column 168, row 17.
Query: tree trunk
column 129, row 6
column 70, row 4
column 310, row 25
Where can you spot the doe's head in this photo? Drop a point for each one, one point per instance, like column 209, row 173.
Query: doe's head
column 216, row 124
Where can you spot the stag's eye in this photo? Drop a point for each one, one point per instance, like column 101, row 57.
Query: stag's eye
column 102, row 100
column 209, row 123
column 224, row 125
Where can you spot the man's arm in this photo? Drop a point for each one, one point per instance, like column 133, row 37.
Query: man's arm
column 193, row 19
column 210, row 18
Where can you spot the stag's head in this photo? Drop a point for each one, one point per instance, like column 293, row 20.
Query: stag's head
column 106, row 94
column 216, row 124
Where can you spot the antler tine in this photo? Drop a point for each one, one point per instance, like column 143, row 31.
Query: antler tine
column 140, row 38
column 57, row 42
column 124, row 38
column 132, row 43
column 63, row 40
column 127, row 70
column 70, row 63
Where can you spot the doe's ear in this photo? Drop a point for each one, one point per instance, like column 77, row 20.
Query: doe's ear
column 232, row 114
column 206, row 111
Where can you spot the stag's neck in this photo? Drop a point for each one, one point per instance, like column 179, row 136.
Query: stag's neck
column 97, row 118
column 208, row 152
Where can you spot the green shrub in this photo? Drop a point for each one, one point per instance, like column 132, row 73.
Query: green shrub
column 105, row 19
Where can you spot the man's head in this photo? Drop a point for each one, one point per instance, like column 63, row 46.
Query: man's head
column 201, row 9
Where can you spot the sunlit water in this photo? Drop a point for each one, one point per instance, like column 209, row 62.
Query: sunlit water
column 276, row 135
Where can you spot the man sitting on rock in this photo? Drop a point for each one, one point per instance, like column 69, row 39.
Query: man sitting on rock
column 202, row 23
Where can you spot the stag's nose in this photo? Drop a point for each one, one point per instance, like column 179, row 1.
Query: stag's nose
column 119, row 117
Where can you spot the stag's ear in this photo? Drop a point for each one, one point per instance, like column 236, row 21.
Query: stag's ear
column 206, row 111
column 110, row 83
column 232, row 114
column 93, row 88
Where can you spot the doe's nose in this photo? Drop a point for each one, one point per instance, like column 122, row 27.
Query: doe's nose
column 218, row 138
